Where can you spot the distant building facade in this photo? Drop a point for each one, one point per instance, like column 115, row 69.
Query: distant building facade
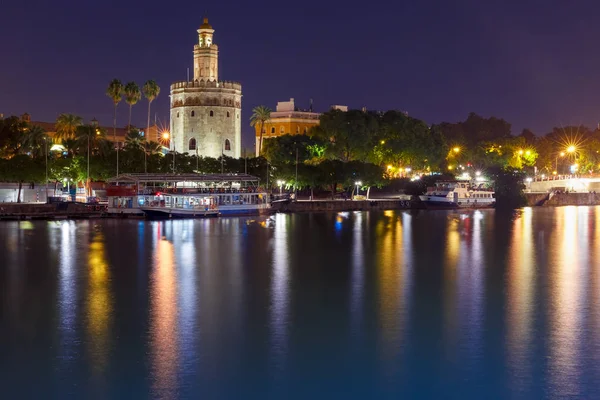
column 206, row 113
column 287, row 119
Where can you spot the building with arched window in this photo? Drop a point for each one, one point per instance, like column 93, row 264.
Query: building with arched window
column 206, row 109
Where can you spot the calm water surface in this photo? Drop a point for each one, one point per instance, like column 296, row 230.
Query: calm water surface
column 423, row 305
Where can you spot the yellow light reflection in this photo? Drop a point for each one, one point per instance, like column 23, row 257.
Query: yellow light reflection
column 453, row 257
column 566, row 311
column 392, row 281
column 99, row 304
column 519, row 296
column 163, row 320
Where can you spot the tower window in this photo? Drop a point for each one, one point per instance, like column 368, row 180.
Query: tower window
column 227, row 114
column 305, row 129
column 212, row 113
column 281, row 129
column 192, row 144
column 297, row 129
column 227, row 145
column 193, row 113
column 177, row 115
column 273, row 130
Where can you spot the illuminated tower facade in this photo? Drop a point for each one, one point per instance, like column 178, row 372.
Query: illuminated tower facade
column 205, row 112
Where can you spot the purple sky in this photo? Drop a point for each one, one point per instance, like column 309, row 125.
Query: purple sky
column 534, row 63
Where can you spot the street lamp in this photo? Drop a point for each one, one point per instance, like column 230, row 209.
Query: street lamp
column 571, row 149
column 358, row 185
column 456, row 149
column 280, row 183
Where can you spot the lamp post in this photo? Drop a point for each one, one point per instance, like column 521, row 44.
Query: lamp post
column 280, row 183
column 46, row 142
column 358, row 185
column 561, row 154
column 93, row 129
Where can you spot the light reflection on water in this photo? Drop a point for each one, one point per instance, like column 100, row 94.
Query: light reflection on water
column 280, row 294
column 429, row 305
column 519, row 298
column 164, row 335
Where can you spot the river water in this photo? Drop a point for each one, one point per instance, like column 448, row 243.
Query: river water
column 428, row 305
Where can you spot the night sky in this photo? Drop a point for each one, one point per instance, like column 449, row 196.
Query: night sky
column 534, row 63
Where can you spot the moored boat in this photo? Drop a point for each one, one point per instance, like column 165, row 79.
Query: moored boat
column 461, row 195
column 232, row 194
column 179, row 206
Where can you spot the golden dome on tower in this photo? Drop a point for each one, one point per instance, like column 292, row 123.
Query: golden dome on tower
column 205, row 24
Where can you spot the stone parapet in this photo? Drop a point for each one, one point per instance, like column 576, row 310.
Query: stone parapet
column 201, row 84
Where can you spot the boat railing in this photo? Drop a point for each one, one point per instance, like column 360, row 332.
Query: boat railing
column 151, row 191
column 163, row 204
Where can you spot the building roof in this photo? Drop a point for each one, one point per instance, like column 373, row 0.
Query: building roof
column 50, row 127
column 141, row 177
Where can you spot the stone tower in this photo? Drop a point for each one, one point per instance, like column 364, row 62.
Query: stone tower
column 206, row 112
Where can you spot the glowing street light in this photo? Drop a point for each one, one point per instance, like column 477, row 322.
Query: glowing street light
column 520, row 152
column 477, row 173
column 528, row 152
column 456, row 149
column 358, row 185
column 571, row 149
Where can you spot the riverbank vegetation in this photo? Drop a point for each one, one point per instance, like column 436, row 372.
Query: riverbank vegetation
column 349, row 150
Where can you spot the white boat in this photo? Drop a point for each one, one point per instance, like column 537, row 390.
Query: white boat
column 463, row 195
column 179, row 206
column 438, row 193
column 233, row 194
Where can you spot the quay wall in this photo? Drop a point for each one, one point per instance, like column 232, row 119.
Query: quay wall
column 341, row 205
column 563, row 199
column 48, row 211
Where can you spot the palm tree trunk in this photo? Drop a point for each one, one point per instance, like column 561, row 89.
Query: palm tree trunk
column 147, row 132
column 262, row 127
column 148, row 124
column 368, row 192
column 115, row 138
column 129, row 126
column 19, row 192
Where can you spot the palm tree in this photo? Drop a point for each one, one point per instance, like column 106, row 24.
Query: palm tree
column 134, row 140
column 151, row 92
column 35, row 141
column 132, row 96
column 152, row 148
column 115, row 92
column 260, row 115
column 70, row 145
column 66, row 126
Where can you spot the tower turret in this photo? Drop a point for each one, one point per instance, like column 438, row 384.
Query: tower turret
column 206, row 54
